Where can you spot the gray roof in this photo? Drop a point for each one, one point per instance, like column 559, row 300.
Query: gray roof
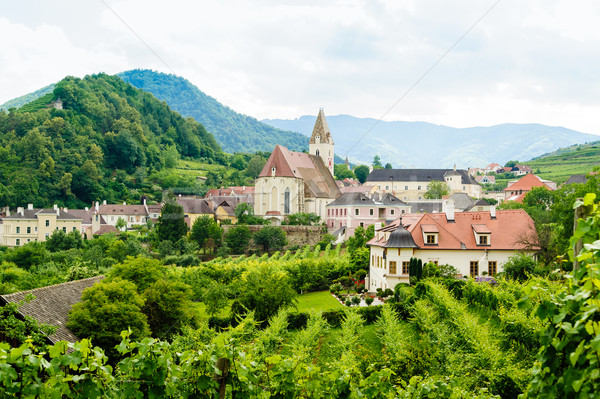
column 425, row 206
column 360, row 199
column 577, row 179
column 32, row 214
column 400, row 238
column 461, row 201
column 421, row 175
column 86, row 216
column 52, row 305
column 196, row 205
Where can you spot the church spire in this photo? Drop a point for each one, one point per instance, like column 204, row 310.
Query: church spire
column 321, row 132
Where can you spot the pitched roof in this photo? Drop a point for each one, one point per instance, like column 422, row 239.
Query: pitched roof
column 116, row 209
column 425, row 206
column 86, row 215
column 52, row 305
column 321, row 130
column 505, row 229
column 356, row 189
column 359, row 199
column 197, row 206
column 418, row 175
column 106, row 229
column 526, row 183
column 577, row 179
column 29, row 214
column 317, row 179
column 462, row 201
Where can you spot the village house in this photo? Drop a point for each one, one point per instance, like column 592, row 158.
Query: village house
column 194, row 208
column 520, row 170
column 352, row 210
column 293, row 182
column 492, row 168
column 132, row 214
column 517, row 189
column 472, row 242
column 412, row 184
column 92, row 223
column 30, row 224
column 485, row 179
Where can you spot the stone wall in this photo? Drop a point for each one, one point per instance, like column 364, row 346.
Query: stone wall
column 296, row 235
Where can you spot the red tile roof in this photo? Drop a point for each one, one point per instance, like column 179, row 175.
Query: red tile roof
column 505, row 230
column 526, row 183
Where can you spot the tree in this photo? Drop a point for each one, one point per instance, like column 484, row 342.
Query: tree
column 171, row 223
column 255, row 166
column 377, row 162
column 106, row 309
column 265, row 289
column 436, row 189
column 143, row 272
column 238, row 239
column 303, row 219
column 270, row 238
column 511, row 164
column 121, row 223
column 59, row 241
column 215, row 297
column 518, row 267
column 204, row 229
column 245, row 215
column 388, row 166
column 342, row 172
column 361, row 172
column 168, row 308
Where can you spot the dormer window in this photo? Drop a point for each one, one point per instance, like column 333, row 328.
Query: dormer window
column 430, row 234
column 273, row 170
column 482, row 234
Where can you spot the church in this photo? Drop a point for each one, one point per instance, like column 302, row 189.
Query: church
column 293, row 182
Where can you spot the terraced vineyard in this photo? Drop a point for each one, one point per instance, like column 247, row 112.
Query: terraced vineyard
column 560, row 165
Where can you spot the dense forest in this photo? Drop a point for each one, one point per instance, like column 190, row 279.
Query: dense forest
column 235, row 132
column 104, row 144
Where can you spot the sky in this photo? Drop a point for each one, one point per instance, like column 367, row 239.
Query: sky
column 458, row 63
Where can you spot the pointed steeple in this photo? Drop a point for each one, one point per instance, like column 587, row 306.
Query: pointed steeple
column 321, row 132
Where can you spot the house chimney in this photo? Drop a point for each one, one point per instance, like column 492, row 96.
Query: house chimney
column 20, row 210
column 104, row 202
column 97, row 206
column 55, row 207
column 450, row 211
column 66, row 209
column 493, row 211
column 30, row 207
column 87, row 209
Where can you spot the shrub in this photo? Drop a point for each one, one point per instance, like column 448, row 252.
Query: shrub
column 370, row 314
column 369, row 300
column 356, row 300
column 518, row 267
column 297, row 320
column 348, row 302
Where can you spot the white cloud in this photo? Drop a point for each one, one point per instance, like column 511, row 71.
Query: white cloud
column 525, row 62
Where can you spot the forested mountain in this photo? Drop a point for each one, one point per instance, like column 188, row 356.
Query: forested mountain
column 425, row 145
column 103, row 144
column 27, row 98
column 235, row 132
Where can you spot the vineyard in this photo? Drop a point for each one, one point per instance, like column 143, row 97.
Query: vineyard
column 440, row 338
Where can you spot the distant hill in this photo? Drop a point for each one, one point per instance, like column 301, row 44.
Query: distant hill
column 110, row 141
column 559, row 165
column 235, row 132
column 425, row 145
column 27, row 98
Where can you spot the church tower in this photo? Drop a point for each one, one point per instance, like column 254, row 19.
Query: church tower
column 321, row 142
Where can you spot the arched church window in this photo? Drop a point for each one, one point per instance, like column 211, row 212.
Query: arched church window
column 286, row 200
column 317, row 152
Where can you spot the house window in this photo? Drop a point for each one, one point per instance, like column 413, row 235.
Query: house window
column 474, row 268
column 392, row 267
column 47, row 235
column 483, row 240
column 430, row 239
column 405, row 188
column 36, row 230
column 356, row 212
column 405, row 267
column 96, row 218
column 28, row 230
column 391, row 212
column 47, row 223
column 74, row 228
column 435, row 262
column 18, row 230
column 370, row 212
column 492, row 268
column 362, row 224
column 64, row 229
column 373, row 260
column 418, row 187
column 18, row 242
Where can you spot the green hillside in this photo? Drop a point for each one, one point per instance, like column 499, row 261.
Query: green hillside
column 27, row 98
column 561, row 164
column 111, row 141
column 235, row 132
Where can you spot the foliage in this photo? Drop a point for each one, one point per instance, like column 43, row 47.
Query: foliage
column 245, row 215
column 437, row 189
column 519, row 266
column 264, row 290
column 238, row 238
column 143, row 272
column 59, row 241
column 568, row 361
column 341, row 172
column 16, row 329
column 171, row 222
column 303, row 219
column 205, row 229
column 415, row 270
column 270, row 238
column 361, row 172
column 106, row 309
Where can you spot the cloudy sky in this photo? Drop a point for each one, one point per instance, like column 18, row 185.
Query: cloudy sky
column 524, row 61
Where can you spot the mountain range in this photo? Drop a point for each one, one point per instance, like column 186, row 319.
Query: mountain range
column 425, row 145
column 403, row 144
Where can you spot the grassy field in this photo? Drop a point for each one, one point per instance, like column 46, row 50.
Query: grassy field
column 560, row 165
column 321, row 300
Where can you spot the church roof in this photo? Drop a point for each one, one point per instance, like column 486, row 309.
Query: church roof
column 318, row 182
column 321, row 132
